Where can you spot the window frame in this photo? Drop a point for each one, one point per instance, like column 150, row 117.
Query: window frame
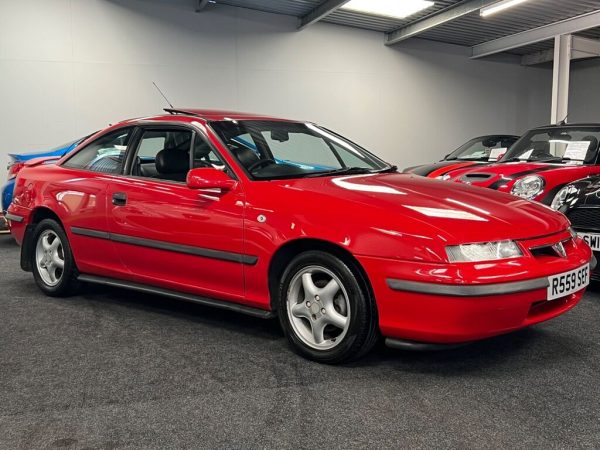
column 96, row 139
column 141, row 128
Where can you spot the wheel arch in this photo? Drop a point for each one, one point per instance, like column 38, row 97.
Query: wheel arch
column 288, row 251
column 37, row 215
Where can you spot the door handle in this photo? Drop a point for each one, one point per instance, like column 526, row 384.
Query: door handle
column 119, row 199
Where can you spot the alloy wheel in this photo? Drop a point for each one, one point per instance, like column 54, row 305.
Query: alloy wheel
column 50, row 258
column 318, row 307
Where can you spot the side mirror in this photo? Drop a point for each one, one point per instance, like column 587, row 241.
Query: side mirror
column 209, row 178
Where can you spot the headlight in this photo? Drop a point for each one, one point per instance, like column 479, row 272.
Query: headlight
column 561, row 196
column 443, row 177
column 487, row 251
column 528, row 187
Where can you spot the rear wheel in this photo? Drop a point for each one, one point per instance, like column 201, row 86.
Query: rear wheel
column 325, row 313
column 52, row 261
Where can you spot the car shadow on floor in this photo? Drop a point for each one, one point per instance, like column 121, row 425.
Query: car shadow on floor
column 546, row 346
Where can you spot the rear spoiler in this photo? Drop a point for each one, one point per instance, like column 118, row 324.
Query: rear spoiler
column 40, row 161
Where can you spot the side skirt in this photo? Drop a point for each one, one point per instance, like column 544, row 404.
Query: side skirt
column 413, row 346
column 248, row 310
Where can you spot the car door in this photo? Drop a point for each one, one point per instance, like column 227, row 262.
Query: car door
column 81, row 197
column 169, row 235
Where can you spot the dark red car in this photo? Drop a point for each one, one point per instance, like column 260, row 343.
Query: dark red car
column 272, row 217
column 476, row 152
column 540, row 163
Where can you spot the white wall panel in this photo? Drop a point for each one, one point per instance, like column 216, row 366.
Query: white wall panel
column 73, row 66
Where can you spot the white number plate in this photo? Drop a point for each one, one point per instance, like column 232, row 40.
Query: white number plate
column 593, row 240
column 568, row 282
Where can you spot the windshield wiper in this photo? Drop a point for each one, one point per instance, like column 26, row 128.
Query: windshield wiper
column 388, row 169
column 554, row 158
column 342, row 171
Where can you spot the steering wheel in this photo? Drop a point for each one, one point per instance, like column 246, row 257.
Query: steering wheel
column 260, row 163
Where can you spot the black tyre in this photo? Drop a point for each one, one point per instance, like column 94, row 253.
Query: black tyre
column 52, row 262
column 325, row 309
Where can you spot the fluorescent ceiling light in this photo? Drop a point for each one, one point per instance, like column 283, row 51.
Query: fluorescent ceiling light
column 397, row 9
column 499, row 6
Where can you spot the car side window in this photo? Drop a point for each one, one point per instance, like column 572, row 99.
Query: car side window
column 104, row 155
column 163, row 154
column 205, row 156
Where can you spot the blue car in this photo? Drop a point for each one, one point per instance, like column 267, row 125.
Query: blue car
column 16, row 164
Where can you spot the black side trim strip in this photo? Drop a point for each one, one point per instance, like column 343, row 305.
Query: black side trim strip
column 161, row 245
column 478, row 290
column 14, row 218
column 255, row 312
column 90, row 233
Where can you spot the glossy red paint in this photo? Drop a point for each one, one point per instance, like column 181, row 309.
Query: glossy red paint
column 447, row 169
column 396, row 226
column 503, row 176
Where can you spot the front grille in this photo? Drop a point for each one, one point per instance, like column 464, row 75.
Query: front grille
column 557, row 249
column 585, row 218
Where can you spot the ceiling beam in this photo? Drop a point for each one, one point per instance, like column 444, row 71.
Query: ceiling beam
column 440, row 18
column 543, row 33
column 581, row 48
column 323, row 10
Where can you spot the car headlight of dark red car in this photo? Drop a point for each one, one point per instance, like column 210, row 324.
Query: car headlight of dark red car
column 528, row 187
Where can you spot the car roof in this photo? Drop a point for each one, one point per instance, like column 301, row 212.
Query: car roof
column 568, row 125
column 210, row 115
column 496, row 135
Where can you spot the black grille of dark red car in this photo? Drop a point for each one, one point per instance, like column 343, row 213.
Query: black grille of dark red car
column 585, row 218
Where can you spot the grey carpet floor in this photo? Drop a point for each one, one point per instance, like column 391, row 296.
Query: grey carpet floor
column 110, row 369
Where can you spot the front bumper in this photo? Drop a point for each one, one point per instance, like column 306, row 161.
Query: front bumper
column 455, row 303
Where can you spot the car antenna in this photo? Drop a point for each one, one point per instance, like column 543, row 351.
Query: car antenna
column 564, row 121
column 163, row 95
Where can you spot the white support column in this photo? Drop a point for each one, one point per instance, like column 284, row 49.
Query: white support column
column 560, row 77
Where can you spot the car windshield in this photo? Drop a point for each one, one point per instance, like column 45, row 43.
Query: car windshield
column 485, row 148
column 279, row 149
column 561, row 145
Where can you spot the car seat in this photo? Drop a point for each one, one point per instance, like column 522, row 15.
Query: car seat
column 172, row 164
column 245, row 156
column 541, row 150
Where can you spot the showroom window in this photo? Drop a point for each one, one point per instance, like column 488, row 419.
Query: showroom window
column 104, row 155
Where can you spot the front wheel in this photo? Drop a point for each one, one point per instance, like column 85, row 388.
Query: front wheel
column 53, row 265
column 326, row 313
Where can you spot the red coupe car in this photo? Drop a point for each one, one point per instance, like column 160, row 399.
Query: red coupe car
column 540, row 163
column 273, row 217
